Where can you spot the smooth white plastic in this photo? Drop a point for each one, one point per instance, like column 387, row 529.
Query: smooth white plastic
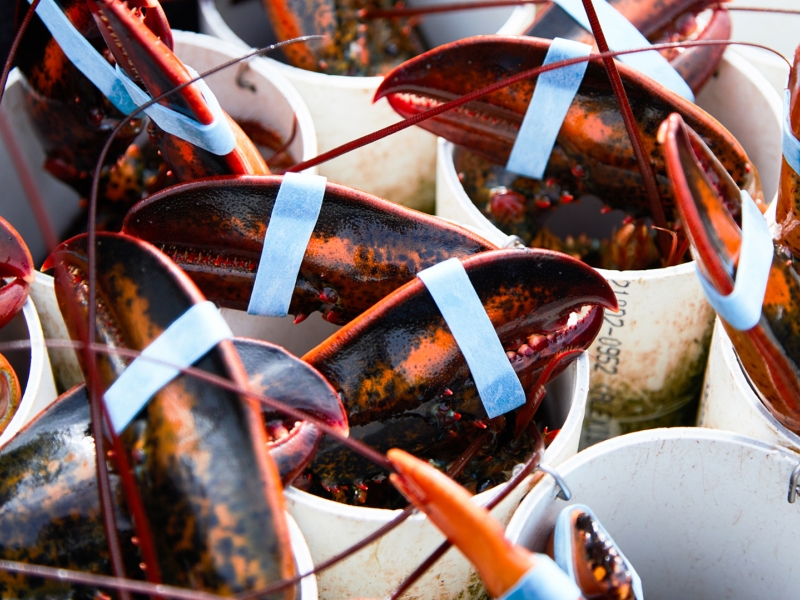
column 664, row 325
column 31, row 366
column 400, row 168
column 699, row 513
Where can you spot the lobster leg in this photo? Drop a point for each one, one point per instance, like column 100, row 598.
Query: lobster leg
column 362, row 247
column 709, row 203
column 788, row 210
column 202, row 448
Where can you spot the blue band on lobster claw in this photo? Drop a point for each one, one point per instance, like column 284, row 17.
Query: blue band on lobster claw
column 742, row 307
column 291, row 224
column 544, row 581
column 83, row 55
column 497, row 383
column 563, row 546
column 622, row 35
column 552, row 96
column 791, row 145
column 217, row 137
column 183, row 343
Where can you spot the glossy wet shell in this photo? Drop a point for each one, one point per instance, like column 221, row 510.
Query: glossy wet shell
column 211, row 494
column 362, row 247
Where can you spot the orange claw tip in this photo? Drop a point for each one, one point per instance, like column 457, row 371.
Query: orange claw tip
column 468, row 526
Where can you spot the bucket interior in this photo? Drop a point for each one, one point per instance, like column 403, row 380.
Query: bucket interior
column 20, row 360
column 700, row 514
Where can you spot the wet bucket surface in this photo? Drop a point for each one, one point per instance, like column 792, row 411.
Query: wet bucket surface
column 699, row 513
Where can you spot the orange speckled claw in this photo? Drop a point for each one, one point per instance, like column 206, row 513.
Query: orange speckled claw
column 362, row 247
column 592, row 153
column 10, row 393
column 405, row 383
column 709, row 205
column 16, row 264
column 201, row 447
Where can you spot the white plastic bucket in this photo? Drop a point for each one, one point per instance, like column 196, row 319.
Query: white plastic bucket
column 699, row 513
column 774, row 30
column 400, row 168
column 31, row 366
column 652, row 354
column 256, row 91
column 330, row 527
column 730, row 403
column 302, row 561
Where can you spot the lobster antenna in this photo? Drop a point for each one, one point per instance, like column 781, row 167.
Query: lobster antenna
column 12, row 53
column 646, row 171
column 785, row 11
column 368, row 14
column 511, row 485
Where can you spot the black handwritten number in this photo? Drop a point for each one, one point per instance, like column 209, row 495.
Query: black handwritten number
column 622, row 284
column 611, row 371
column 613, row 320
column 609, row 341
column 609, row 351
column 622, row 303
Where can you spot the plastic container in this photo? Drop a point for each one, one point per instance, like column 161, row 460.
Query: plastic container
column 652, row 354
column 375, row 571
column 729, row 401
column 699, row 513
column 31, row 366
column 400, row 168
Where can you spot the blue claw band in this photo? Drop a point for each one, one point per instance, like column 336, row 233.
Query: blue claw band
column 791, row 146
column 217, row 137
column 291, row 224
column 563, row 549
column 544, row 581
column 183, row 343
column 742, row 307
column 497, row 383
column 622, row 35
column 83, row 55
column 551, row 99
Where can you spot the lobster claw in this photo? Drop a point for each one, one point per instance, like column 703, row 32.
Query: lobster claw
column 709, row 204
column 592, row 152
column 285, row 378
column 10, row 393
column 666, row 21
column 202, row 447
column 146, row 57
column 15, row 264
column 406, row 384
column 362, row 247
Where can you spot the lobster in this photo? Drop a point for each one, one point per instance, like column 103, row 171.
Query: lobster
column 710, row 207
column 362, row 247
column 670, row 21
column 215, row 515
column 16, row 276
column 598, row 570
column 591, row 158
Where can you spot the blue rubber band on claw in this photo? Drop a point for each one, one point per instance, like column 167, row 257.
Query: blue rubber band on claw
column 183, row 343
column 742, row 307
column 563, row 546
column 291, row 224
column 790, row 144
column 544, row 581
column 497, row 383
column 622, row 35
column 551, row 99
column 84, row 56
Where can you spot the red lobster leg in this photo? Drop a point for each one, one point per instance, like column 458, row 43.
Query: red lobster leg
column 362, row 247
column 150, row 62
column 788, row 209
column 592, row 153
column 16, row 264
column 200, row 453
column 666, row 21
column 709, row 204
column 406, row 384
